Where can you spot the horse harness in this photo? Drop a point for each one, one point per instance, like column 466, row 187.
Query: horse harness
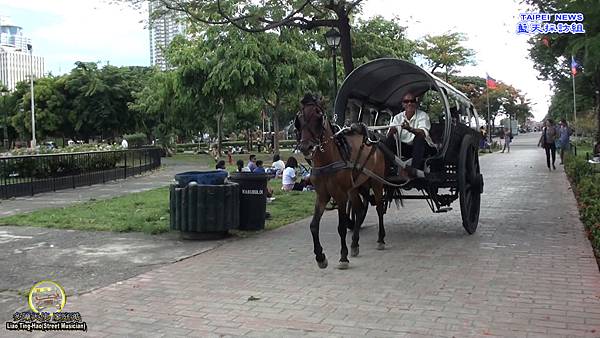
column 358, row 167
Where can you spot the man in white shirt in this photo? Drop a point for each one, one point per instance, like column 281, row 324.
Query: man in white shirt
column 413, row 133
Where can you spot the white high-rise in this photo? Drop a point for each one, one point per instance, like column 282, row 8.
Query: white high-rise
column 163, row 29
column 16, row 62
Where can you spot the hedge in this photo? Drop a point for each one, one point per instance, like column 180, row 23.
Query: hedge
column 586, row 184
column 136, row 140
column 44, row 166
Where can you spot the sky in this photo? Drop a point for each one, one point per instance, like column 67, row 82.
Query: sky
column 66, row 31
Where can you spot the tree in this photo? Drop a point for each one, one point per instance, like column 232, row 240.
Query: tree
column 223, row 66
column 377, row 38
column 161, row 108
column 505, row 99
column 269, row 15
column 445, row 51
column 98, row 99
column 552, row 54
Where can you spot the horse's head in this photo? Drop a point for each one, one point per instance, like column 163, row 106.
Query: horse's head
column 310, row 126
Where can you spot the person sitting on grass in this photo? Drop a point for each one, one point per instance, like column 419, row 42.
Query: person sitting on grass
column 240, row 167
column 288, row 181
column 259, row 167
column 220, row 165
column 252, row 162
column 278, row 165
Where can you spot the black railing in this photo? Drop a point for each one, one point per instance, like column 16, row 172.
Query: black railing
column 29, row 175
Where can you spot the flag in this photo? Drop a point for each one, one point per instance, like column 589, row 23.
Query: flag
column 574, row 66
column 490, row 82
column 545, row 41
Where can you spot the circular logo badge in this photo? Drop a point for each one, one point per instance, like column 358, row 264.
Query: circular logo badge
column 47, row 296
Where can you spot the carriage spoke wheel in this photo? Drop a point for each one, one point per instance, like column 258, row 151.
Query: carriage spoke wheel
column 470, row 184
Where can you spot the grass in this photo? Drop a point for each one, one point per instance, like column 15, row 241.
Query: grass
column 148, row 212
column 140, row 212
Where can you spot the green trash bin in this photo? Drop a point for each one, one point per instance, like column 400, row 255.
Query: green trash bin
column 204, row 211
column 253, row 199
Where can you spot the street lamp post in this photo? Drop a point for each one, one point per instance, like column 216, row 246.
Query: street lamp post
column 333, row 37
column 3, row 92
column 33, row 141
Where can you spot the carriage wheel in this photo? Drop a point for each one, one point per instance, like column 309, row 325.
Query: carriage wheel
column 470, row 184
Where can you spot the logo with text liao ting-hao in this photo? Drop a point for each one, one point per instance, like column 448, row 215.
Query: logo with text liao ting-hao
column 47, row 296
column 550, row 23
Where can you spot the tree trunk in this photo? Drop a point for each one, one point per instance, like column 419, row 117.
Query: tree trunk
column 276, row 125
column 345, row 43
column 219, row 132
column 249, row 139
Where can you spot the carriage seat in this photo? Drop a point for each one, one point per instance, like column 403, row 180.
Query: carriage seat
column 437, row 134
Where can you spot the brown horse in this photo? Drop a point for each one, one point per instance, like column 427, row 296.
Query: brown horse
column 339, row 174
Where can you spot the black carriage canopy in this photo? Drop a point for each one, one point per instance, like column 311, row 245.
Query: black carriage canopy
column 384, row 82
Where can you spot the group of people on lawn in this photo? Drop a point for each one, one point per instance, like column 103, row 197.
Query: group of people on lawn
column 279, row 169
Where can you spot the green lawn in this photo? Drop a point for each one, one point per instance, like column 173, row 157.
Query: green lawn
column 149, row 212
column 208, row 161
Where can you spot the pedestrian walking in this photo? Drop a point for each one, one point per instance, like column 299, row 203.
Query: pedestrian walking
column 564, row 133
column 507, row 139
column 547, row 140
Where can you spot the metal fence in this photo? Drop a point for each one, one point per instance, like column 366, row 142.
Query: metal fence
column 29, row 175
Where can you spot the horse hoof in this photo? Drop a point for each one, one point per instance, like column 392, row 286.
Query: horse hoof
column 380, row 246
column 354, row 252
column 343, row 265
column 323, row 264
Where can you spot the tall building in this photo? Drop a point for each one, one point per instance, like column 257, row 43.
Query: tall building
column 12, row 35
column 16, row 62
column 164, row 26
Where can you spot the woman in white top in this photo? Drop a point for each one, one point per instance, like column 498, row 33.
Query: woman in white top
column 288, row 181
column 278, row 165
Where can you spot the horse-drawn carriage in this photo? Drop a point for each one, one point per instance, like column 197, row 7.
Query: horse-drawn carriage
column 350, row 162
column 373, row 92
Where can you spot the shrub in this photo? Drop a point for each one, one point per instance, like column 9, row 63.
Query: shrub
column 586, row 184
column 577, row 168
column 136, row 140
column 57, row 166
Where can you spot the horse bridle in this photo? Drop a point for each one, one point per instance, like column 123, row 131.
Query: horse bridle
column 300, row 123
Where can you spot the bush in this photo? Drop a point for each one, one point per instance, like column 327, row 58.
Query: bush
column 577, row 168
column 586, row 184
column 57, row 166
column 136, row 140
column 189, row 146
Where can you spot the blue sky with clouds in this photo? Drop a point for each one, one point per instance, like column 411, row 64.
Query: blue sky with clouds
column 66, row 31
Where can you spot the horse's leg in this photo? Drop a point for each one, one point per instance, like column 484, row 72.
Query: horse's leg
column 380, row 207
column 314, row 230
column 356, row 203
column 343, row 220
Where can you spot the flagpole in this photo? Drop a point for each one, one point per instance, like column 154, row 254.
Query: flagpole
column 487, row 92
column 574, row 100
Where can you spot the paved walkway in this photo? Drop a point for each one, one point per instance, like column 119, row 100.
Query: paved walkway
column 528, row 271
column 84, row 260
column 61, row 198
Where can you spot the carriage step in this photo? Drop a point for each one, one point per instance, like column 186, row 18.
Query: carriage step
column 443, row 209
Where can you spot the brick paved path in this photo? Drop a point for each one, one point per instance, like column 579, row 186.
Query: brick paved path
column 528, row 271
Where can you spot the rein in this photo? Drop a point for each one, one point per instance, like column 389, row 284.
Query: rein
column 346, row 163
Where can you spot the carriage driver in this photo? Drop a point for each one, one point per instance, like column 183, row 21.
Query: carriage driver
column 414, row 135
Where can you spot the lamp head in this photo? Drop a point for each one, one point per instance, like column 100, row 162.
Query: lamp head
column 333, row 37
